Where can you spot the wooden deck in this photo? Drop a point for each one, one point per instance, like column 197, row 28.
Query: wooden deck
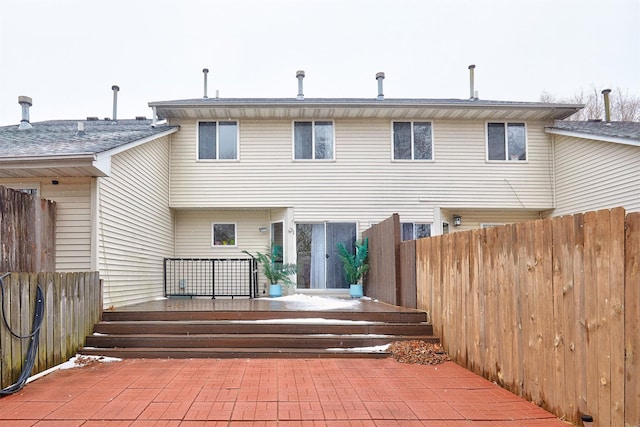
column 262, row 327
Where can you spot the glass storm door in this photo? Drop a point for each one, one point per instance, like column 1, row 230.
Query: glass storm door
column 319, row 266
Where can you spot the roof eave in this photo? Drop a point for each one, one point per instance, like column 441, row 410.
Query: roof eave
column 594, row 136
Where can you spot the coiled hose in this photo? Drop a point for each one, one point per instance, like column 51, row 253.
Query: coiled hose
column 32, row 352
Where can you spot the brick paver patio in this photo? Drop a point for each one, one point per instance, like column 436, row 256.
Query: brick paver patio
column 267, row 392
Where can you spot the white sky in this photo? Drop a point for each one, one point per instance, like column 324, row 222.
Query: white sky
column 66, row 54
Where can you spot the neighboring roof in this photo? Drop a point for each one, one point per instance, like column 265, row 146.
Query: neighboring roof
column 619, row 132
column 56, row 146
column 289, row 108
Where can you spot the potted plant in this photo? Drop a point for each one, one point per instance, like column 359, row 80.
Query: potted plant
column 276, row 272
column 355, row 266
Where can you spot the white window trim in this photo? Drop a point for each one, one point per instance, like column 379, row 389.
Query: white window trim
column 506, row 141
column 313, row 140
column 217, row 159
column 235, row 234
column 433, row 145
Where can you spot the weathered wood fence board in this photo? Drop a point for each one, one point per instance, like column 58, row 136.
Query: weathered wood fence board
column 72, row 306
column 27, row 232
column 549, row 309
column 382, row 280
column 631, row 321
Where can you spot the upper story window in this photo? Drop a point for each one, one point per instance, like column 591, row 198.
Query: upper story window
column 217, row 140
column 412, row 141
column 506, row 141
column 313, row 140
column 412, row 231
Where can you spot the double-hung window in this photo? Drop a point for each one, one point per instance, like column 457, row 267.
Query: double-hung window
column 313, row 140
column 506, row 141
column 412, row 141
column 217, row 140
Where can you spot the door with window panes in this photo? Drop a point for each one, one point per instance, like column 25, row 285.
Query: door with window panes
column 319, row 266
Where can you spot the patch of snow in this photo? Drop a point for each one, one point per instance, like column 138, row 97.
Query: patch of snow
column 374, row 349
column 314, row 302
column 76, row 361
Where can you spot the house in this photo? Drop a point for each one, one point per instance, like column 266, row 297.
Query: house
column 221, row 176
column 597, row 166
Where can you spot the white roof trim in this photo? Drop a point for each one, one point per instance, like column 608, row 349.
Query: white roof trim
column 102, row 160
column 596, row 137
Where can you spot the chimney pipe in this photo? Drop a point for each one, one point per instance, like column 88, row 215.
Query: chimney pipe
column 472, row 92
column 607, row 105
column 205, row 71
column 380, row 78
column 115, row 90
column 25, row 102
column 300, row 77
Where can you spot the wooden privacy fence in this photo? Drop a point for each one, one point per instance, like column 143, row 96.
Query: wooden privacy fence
column 27, row 232
column 391, row 278
column 73, row 304
column 549, row 309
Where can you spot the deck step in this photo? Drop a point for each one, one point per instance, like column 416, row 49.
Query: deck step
column 314, row 341
column 258, row 327
column 230, row 353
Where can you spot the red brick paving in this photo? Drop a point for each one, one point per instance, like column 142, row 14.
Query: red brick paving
column 268, row 393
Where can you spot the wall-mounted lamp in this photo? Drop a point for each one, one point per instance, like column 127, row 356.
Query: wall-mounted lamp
column 262, row 229
column 457, row 220
column 587, row 420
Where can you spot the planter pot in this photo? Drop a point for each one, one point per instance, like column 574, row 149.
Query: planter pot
column 356, row 291
column 275, row 290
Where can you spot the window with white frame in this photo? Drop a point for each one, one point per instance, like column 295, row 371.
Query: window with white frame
column 313, row 140
column 506, row 141
column 412, row 231
column 412, row 141
column 217, row 140
column 223, row 234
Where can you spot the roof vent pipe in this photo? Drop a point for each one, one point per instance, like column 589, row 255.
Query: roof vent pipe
column 205, row 71
column 115, row 90
column 607, row 105
column 154, row 116
column 300, row 77
column 25, row 102
column 472, row 92
column 80, row 131
column 380, row 78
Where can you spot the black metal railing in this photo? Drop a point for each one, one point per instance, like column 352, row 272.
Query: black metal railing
column 210, row 277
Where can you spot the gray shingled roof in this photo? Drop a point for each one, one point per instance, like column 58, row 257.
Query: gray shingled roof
column 61, row 138
column 625, row 130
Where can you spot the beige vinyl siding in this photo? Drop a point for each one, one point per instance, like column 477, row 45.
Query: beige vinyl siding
column 592, row 175
column 73, row 213
column 362, row 183
column 476, row 218
column 193, row 233
column 135, row 225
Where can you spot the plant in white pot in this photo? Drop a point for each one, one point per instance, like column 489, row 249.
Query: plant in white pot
column 276, row 272
column 355, row 266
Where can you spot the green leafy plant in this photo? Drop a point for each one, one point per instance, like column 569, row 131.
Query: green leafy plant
column 355, row 265
column 273, row 270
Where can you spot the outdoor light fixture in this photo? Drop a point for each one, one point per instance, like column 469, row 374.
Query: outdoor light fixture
column 457, row 220
column 587, row 420
column 262, row 229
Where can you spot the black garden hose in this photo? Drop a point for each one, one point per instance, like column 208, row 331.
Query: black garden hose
column 32, row 352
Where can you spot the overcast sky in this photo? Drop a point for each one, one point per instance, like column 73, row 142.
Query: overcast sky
column 66, row 54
